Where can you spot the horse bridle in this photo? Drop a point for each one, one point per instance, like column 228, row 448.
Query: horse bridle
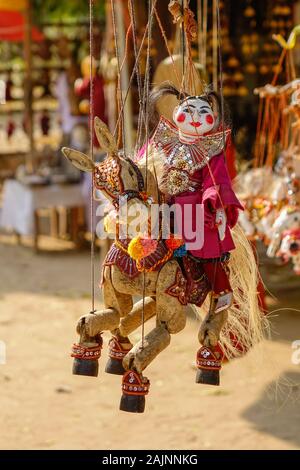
column 112, row 183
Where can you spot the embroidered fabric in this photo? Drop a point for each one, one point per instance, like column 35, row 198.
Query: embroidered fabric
column 183, row 159
column 127, row 265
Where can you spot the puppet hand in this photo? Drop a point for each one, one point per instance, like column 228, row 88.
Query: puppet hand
column 221, row 220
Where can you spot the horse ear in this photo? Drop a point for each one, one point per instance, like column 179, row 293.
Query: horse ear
column 105, row 137
column 78, row 159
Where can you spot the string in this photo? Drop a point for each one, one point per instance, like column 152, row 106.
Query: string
column 138, row 75
column 119, row 85
column 278, row 68
column 222, row 119
column 215, row 46
column 292, row 64
column 258, row 133
column 268, row 129
column 218, row 28
column 126, row 46
column 221, row 71
column 264, row 130
column 135, row 64
column 222, row 112
column 91, row 119
column 146, row 101
column 183, row 48
column 218, row 49
column 163, row 33
column 204, row 28
column 200, row 30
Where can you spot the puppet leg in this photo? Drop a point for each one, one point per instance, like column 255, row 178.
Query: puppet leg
column 120, row 344
column 210, row 355
column 171, row 318
column 90, row 327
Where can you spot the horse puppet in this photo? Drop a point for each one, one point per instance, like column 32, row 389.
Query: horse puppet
column 167, row 285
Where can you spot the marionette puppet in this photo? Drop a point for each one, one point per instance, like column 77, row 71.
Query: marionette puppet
column 194, row 173
column 152, row 268
column 188, row 157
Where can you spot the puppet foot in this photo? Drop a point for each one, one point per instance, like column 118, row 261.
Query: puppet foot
column 135, row 387
column 118, row 348
column 86, row 357
column 83, row 367
column 132, row 404
column 209, row 362
column 208, row 377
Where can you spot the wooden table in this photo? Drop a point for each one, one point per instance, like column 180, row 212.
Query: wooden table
column 24, row 205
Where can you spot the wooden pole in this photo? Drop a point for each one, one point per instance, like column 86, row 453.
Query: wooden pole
column 28, row 96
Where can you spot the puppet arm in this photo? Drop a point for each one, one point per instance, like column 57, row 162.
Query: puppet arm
column 218, row 193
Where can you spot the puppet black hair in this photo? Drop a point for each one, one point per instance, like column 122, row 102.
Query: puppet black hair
column 167, row 88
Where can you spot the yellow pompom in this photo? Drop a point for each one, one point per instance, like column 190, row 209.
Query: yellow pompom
column 136, row 249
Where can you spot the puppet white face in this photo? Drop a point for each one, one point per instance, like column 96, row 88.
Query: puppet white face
column 194, row 116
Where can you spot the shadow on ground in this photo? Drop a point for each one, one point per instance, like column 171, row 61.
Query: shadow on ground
column 277, row 411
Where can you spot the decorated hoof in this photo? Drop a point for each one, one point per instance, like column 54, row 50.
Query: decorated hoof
column 209, row 363
column 114, row 366
column 135, row 387
column 86, row 357
column 85, row 367
column 117, row 351
column 132, row 404
column 208, row 377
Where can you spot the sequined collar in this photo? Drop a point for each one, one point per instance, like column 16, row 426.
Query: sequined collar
column 187, row 156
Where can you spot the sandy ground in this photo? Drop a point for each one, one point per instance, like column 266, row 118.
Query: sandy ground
column 44, row 407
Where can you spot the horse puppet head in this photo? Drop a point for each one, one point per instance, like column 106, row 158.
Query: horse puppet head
column 118, row 176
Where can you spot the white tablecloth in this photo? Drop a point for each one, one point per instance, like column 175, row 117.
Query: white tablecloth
column 20, row 202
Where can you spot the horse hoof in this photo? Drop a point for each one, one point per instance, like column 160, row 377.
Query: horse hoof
column 86, row 367
column 209, row 362
column 86, row 357
column 135, row 387
column 208, row 377
column 118, row 348
column 132, row 403
column 114, row 366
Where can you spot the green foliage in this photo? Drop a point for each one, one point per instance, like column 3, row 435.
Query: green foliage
column 65, row 10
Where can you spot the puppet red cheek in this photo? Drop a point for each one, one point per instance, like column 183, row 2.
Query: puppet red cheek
column 209, row 119
column 180, row 118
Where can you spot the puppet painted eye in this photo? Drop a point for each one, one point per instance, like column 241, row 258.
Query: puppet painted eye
column 209, row 119
column 181, row 117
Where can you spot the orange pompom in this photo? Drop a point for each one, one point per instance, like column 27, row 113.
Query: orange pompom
column 174, row 243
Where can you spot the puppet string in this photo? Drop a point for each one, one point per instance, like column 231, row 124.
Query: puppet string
column 135, row 64
column 91, row 119
column 141, row 116
column 121, row 128
column 146, row 100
